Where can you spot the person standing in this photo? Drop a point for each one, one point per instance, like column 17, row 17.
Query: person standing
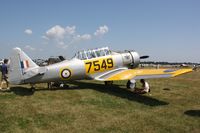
column 4, row 71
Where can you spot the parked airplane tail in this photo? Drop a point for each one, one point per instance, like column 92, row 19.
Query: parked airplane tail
column 21, row 67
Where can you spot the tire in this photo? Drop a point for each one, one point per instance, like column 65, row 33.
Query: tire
column 130, row 85
column 32, row 89
column 108, row 82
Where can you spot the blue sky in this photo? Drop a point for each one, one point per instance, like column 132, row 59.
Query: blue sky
column 167, row 30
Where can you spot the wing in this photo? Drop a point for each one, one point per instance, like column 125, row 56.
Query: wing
column 128, row 74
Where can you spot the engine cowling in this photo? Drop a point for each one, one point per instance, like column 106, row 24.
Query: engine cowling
column 131, row 59
column 135, row 59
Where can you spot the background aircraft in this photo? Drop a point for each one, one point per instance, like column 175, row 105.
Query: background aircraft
column 99, row 64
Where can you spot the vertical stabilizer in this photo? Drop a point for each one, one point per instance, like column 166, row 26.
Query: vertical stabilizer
column 19, row 65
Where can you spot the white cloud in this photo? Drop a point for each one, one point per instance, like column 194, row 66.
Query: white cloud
column 61, row 43
column 28, row 47
column 56, row 32
column 41, row 50
column 70, row 30
column 59, row 33
column 44, row 37
column 101, row 31
column 28, row 31
column 84, row 37
column 64, row 37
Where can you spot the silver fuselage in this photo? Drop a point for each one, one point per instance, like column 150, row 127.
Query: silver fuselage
column 76, row 69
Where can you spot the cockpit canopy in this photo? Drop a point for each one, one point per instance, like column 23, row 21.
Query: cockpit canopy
column 93, row 53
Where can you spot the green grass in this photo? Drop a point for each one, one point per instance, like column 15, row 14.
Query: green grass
column 88, row 106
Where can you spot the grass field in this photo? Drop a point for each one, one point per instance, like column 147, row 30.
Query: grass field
column 88, row 106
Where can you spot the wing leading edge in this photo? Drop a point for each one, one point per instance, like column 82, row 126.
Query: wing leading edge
column 128, row 74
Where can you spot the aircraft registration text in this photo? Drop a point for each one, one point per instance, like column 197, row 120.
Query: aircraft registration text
column 93, row 66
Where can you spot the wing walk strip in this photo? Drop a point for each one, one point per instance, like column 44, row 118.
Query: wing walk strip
column 106, row 75
column 143, row 73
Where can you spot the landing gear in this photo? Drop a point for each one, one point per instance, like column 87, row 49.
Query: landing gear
column 50, row 85
column 131, row 84
column 57, row 85
column 108, row 82
column 32, row 88
column 62, row 85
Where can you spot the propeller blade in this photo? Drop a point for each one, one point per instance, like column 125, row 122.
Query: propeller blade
column 144, row 57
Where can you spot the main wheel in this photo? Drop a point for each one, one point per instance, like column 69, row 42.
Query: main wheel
column 32, row 89
column 49, row 85
column 128, row 84
column 108, row 82
column 66, row 86
column 131, row 84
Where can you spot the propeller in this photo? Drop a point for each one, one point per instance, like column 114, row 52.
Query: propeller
column 144, row 57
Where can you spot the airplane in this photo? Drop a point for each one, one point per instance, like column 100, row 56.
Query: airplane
column 99, row 64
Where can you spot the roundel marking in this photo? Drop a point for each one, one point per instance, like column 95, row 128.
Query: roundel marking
column 170, row 70
column 65, row 73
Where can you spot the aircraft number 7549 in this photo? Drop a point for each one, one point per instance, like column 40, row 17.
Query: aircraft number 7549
column 99, row 65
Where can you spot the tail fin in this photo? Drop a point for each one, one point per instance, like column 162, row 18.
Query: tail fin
column 20, row 63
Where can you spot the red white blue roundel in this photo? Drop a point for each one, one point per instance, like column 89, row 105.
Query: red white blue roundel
column 65, row 73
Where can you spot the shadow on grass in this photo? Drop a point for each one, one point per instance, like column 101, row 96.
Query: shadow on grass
column 195, row 113
column 26, row 91
column 166, row 89
column 21, row 91
column 111, row 90
column 120, row 92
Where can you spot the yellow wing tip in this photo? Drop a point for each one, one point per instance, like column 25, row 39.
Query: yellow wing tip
column 182, row 71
